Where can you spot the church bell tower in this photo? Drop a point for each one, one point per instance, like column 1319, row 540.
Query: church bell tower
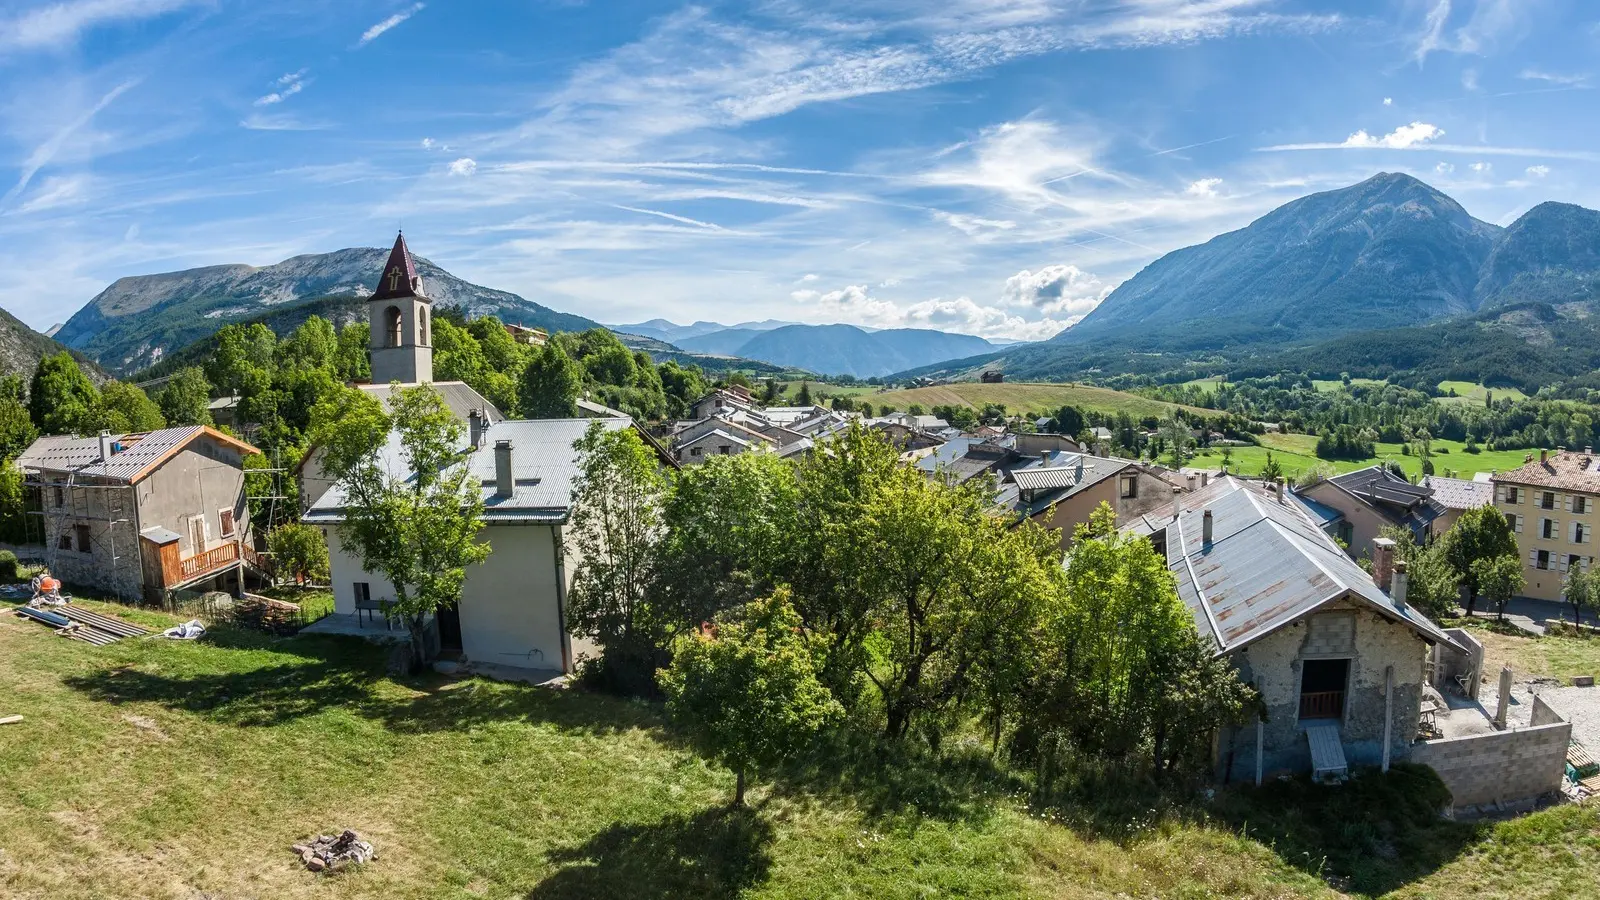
column 400, row 315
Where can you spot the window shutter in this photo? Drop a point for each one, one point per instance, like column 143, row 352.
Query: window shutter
column 1572, row 532
column 1562, row 566
column 1569, row 503
column 1533, row 558
column 1519, row 523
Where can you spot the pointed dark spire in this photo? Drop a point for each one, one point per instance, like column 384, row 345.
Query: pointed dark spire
column 399, row 278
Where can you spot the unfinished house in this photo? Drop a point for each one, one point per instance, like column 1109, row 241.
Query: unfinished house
column 138, row 515
column 1340, row 662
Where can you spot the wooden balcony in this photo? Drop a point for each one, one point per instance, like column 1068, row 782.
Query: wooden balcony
column 202, row 564
column 1322, row 705
column 165, row 569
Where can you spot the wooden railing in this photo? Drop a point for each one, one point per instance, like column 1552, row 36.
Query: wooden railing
column 219, row 557
column 1322, row 705
column 257, row 561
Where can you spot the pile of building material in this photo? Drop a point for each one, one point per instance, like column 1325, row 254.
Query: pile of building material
column 333, row 852
column 82, row 625
column 266, row 614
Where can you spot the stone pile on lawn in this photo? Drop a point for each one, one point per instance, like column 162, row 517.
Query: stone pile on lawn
column 334, row 852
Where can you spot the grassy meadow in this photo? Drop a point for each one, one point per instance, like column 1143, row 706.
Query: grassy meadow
column 1025, row 397
column 1297, row 453
column 156, row 769
column 1474, row 393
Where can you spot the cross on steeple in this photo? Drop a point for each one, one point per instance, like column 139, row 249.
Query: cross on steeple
column 400, row 277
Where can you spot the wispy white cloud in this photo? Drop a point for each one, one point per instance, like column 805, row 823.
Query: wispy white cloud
column 1492, row 25
column 1431, row 37
column 1554, row 77
column 1444, row 168
column 1205, row 187
column 45, row 152
column 465, row 167
column 61, row 24
column 1404, row 137
column 673, row 217
column 1423, row 136
column 1482, row 167
column 259, row 121
column 287, row 86
column 58, row 191
column 1537, row 171
column 376, row 31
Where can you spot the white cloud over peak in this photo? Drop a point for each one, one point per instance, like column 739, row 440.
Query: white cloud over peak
column 373, row 33
column 1205, row 187
column 465, row 166
column 1401, row 138
column 1062, row 292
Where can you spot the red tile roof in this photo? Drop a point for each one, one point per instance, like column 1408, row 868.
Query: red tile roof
column 1566, row 470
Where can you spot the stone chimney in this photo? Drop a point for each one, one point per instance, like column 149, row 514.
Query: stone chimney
column 106, row 446
column 504, row 484
column 1205, row 478
column 1277, row 489
column 1543, row 455
column 1177, row 494
column 477, row 425
column 1190, row 480
column 1382, row 561
column 1397, row 584
column 1205, row 528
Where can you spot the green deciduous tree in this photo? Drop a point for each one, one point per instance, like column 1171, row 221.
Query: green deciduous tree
column 615, row 530
column 1068, row 420
column 16, row 425
column 350, row 360
column 1498, row 578
column 417, row 528
column 186, row 398
column 300, row 552
column 550, row 384
column 124, row 408
column 61, row 399
column 747, row 688
column 1480, row 533
column 1582, row 591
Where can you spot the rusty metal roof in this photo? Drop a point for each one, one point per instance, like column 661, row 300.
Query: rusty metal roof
column 1267, row 565
column 134, row 455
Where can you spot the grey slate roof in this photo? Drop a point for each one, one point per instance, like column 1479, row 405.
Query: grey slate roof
column 544, row 466
column 1459, row 493
column 1268, row 564
column 457, row 395
column 140, row 454
column 1396, row 499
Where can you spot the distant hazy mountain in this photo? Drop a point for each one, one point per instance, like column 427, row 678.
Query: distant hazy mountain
column 1388, row 253
column 663, row 330
column 839, row 349
column 136, row 320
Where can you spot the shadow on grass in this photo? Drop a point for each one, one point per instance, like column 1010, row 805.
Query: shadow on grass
column 898, row 779
column 717, row 853
column 348, row 674
column 1371, row 835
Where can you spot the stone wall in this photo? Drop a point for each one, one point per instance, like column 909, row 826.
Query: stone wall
column 1341, row 630
column 1512, row 766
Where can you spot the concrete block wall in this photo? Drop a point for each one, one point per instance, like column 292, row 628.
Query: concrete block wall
column 1503, row 767
column 1543, row 714
column 1448, row 663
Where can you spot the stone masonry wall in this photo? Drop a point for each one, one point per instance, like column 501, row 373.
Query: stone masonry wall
column 1504, row 767
column 1341, row 630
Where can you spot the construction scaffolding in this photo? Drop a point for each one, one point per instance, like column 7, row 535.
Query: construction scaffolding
column 67, row 501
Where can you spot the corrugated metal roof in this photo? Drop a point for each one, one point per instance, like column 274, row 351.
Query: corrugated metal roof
column 1268, row 564
column 458, row 396
column 139, row 453
column 544, row 466
column 1046, row 477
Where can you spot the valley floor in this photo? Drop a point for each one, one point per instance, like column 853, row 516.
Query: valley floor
column 155, row 769
column 1297, row 453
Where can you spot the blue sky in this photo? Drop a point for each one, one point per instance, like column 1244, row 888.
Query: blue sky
column 987, row 166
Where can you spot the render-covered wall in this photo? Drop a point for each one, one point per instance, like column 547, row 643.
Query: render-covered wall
column 1151, row 494
column 1502, row 767
column 198, row 482
column 1366, row 525
column 510, row 606
column 1342, row 630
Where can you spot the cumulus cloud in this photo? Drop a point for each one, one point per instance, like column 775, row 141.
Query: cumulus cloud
column 1388, row 101
column 809, row 277
column 1404, row 137
column 427, row 143
column 1482, row 168
column 1063, row 292
column 1538, row 171
column 1445, row 168
column 465, row 166
column 1205, row 187
column 373, row 33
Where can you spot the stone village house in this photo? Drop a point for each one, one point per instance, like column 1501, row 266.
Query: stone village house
column 138, row 515
column 1346, row 668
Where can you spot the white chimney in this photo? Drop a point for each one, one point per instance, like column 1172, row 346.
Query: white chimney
column 477, row 425
column 1397, row 585
column 1190, row 479
column 1205, row 528
column 106, row 447
column 504, row 485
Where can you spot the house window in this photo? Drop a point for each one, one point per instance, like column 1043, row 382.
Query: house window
column 1547, row 500
column 1573, row 562
column 1511, row 522
column 81, row 532
column 1580, row 505
column 226, row 517
column 723, row 449
column 1513, row 495
column 1580, row 533
column 60, row 498
column 1347, row 533
column 1541, row 559
column 1322, row 687
column 64, row 541
column 694, row 451
column 1130, row 487
column 1547, row 528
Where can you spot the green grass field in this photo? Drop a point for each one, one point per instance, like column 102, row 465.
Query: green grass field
column 1474, row 393
column 1328, row 385
column 1036, row 398
column 168, row 770
column 1296, row 453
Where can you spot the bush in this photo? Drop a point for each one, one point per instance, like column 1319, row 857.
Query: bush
column 8, row 565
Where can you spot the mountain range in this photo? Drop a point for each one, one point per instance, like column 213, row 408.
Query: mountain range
column 1388, row 253
column 663, row 330
column 824, row 349
column 138, row 319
